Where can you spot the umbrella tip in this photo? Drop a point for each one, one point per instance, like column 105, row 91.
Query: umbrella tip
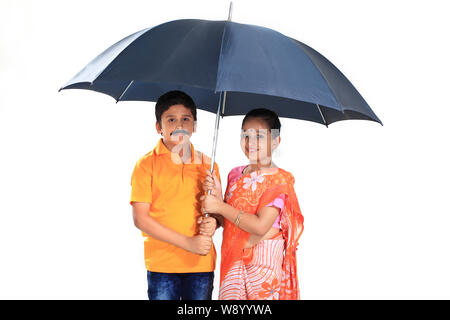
column 230, row 11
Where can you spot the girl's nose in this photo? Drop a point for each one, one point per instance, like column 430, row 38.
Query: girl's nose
column 252, row 141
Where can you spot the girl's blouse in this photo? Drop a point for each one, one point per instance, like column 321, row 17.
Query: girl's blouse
column 278, row 202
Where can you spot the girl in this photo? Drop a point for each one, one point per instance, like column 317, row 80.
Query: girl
column 261, row 218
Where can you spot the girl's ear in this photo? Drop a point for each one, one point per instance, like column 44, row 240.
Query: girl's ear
column 276, row 142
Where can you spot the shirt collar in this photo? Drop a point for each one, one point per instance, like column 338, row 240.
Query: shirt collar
column 162, row 149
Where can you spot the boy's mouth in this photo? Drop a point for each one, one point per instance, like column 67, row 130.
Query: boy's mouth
column 179, row 132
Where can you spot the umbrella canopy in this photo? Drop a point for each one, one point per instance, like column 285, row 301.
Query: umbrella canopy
column 256, row 67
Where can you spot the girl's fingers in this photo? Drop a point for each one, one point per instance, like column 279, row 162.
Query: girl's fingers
column 205, row 189
column 208, row 184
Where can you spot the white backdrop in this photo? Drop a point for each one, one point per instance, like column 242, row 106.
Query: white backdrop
column 374, row 197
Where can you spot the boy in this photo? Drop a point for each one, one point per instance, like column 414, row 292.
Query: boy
column 166, row 187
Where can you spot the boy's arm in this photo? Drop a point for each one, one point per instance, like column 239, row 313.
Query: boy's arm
column 198, row 244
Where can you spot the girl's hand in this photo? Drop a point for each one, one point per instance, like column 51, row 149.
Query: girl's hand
column 211, row 204
column 212, row 184
column 207, row 226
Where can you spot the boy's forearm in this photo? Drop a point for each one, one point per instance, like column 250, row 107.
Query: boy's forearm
column 160, row 232
column 247, row 222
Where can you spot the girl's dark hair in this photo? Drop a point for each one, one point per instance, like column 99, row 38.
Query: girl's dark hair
column 171, row 98
column 268, row 116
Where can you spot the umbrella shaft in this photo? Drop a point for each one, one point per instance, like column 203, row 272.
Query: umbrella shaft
column 222, row 99
column 223, row 96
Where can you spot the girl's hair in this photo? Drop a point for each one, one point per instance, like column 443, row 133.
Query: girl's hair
column 268, row 116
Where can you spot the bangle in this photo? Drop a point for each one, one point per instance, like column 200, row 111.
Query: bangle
column 236, row 222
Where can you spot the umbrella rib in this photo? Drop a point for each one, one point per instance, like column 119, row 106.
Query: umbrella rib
column 126, row 89
column 224, row 102
column 321, row 114
column 300, row 44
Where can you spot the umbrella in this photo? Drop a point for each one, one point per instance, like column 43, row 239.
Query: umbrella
column 227, row 68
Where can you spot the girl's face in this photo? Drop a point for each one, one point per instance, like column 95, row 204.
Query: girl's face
column 257, row 142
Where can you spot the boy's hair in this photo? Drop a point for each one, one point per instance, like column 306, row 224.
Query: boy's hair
column 268, row 116
column 171, row 98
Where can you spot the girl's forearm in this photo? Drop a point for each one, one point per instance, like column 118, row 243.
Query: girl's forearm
column 250, row 223
column 219, row 219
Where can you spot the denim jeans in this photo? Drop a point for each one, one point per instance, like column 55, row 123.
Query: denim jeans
column 176, row 286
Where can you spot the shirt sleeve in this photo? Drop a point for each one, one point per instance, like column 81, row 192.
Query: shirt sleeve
column 141, row 182
column 216, row 169
column 278, row 202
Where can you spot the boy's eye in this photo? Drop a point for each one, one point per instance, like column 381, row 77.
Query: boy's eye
column 171, row 120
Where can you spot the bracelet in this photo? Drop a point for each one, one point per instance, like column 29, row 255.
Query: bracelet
column 236, row 222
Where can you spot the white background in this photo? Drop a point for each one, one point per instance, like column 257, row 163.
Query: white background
column 374, row 198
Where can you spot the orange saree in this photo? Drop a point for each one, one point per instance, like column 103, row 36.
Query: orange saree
column 269, row 269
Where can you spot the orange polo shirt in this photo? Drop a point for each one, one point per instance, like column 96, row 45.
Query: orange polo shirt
column 173, row 190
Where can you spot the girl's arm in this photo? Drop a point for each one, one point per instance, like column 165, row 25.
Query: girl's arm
column 258, row 224
column 212, row 185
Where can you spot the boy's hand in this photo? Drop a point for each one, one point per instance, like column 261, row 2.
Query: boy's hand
column 212, row 184
column 199, row 244
column 208, row 225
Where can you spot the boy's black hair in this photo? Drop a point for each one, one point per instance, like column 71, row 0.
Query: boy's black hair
column 171, row 98
column 268, row 116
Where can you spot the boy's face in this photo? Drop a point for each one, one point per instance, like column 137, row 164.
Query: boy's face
column 177, row 125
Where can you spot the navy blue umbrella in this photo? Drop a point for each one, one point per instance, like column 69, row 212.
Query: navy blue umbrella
column 227, row 68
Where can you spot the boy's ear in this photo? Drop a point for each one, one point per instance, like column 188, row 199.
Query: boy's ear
column 195, row 126
column 158, row 127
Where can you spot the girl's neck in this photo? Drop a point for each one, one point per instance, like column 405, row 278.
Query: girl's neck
column 258, row 166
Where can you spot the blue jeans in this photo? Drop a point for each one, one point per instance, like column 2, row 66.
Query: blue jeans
column 176, row 286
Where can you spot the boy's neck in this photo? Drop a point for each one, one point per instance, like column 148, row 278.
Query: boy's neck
column 182, row 149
